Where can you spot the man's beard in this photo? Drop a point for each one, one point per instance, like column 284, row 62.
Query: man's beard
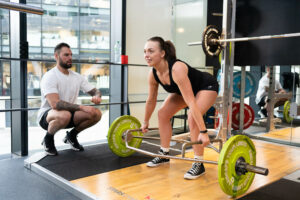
column 64, row 65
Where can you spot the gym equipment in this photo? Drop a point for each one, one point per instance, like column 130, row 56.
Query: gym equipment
column 250, row 84
column 212, row 43
column 237, row 155
column 236, row 165
column 212, row 49
column 286, row 112
column 248, row 116
column 114, row 136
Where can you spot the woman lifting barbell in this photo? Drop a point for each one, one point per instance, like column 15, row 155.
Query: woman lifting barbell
column 188, row 87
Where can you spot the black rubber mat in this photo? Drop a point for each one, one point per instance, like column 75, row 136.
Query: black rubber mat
column 282, row 189
column 93, row 160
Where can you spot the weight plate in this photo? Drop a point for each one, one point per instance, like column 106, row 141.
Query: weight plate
column 236, row 147
column 250, row 84
column 248, row 116
column 216, row 124
column 209, row 47
column 286, row 112
column 118, row 127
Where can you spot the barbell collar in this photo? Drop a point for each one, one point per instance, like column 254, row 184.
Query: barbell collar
column 252, row 168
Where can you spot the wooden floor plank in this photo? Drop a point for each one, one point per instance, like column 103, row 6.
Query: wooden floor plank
column 286, row 134
column 166, row 182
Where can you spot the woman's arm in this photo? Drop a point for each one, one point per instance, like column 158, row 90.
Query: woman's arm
column 151, row 100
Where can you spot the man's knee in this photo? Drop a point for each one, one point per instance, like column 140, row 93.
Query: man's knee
column 62, row 119
column 95, row 114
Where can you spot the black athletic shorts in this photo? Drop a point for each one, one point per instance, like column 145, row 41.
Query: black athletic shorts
column 213, row 87
column 44, row 124
column 262, row 101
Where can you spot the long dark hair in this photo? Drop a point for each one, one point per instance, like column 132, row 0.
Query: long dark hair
column 167, row 46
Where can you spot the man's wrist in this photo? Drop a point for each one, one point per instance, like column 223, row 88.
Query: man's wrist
column 204, row 131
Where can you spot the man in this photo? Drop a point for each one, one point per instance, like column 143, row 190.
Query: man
column 60, row 87
column 262, row 93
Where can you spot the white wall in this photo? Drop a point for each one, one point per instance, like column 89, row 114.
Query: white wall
column 189, row 22
column 145, row 19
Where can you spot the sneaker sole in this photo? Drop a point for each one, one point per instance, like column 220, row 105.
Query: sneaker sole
column 190, row 177
column 47, row 152
column 150, row 164
column 66, row 141
column 51, row 154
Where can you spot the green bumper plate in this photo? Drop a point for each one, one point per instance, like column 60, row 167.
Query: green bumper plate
column 236, row 147
column 118, row 127
column 286, row 112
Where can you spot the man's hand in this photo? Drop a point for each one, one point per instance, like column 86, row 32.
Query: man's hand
column 96, row 100
column 96, row 96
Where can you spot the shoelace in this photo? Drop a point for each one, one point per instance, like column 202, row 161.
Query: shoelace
column 195, row 168
column 157, row 160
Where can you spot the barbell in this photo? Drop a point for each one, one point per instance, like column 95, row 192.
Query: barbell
column 236, row 164
column 213, row 44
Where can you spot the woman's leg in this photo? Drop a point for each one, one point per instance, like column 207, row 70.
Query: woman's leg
column 169, row 108
column 171, row 105
column 204, row 99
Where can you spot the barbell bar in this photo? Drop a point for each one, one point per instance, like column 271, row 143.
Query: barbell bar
column 236, row 164
column 265, row 37
column 101, row 104
column 212, row 43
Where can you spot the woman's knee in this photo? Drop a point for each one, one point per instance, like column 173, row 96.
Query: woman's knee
column 163, row 114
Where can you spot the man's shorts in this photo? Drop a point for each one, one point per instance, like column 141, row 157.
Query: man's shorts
column 44, row 124
column 262, row 101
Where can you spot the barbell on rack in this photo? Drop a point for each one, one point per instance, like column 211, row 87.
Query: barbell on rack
column 212, row 43
column 236, row 164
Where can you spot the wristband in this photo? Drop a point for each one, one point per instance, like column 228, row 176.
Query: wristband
column 205, row 131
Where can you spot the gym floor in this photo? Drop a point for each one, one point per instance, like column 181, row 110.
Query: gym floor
column 166, row 182
column 131, row 179
column 120, row 179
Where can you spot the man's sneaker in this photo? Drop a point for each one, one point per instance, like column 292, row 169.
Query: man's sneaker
column 49, row 147
column 196, row 171
column 157, row 160
column 73, row 142
column 263, row 113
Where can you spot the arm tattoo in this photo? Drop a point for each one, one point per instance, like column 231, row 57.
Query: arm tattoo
column 95, row 92
column 63, row 105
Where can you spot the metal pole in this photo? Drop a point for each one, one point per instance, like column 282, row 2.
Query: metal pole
column 264, row 37
column 21, row 7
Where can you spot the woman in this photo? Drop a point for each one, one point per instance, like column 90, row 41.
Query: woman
column 188, row 87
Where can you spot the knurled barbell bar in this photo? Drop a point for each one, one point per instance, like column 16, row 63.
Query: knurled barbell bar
column 236, row 164
column 212, row 43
